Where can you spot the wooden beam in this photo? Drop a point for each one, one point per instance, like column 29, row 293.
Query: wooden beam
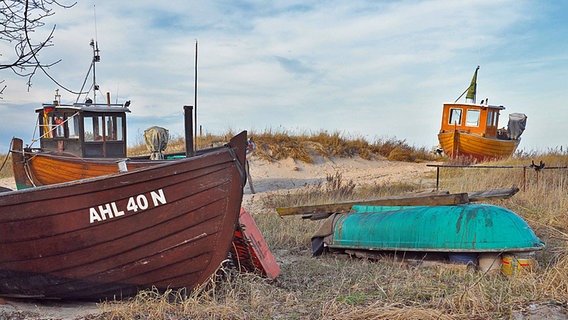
column 414, row 200
column 492, row 194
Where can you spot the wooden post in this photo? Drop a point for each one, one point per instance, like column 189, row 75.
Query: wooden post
column 524, row 178
column 249, row 178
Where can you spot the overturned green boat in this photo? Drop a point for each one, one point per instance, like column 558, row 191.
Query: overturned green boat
column 456, row 228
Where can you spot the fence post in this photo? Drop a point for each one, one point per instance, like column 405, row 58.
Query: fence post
column 437, row 177
column 524, row 179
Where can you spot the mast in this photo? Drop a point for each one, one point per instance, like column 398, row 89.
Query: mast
column 96, row 58
column 195, row 98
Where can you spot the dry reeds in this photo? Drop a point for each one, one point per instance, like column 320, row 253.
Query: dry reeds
column 5, row 166
column 340, row 287
column 337, row 286
column 273, row 146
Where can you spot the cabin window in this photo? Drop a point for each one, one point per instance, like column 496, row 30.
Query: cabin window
column 455, row 116
column 119, row 128
column 93, row 128
column 45, row 125
column 113, row 128
column 490, row 118
column 472, row 118
column 73, row 126
column 59, row 125
column 109, row 128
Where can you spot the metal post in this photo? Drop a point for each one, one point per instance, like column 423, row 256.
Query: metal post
column 195, row 95
column 188, row 117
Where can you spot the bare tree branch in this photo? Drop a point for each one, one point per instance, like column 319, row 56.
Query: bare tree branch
column 18, row 20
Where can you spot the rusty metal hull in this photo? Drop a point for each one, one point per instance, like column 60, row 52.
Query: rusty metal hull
column 460, row 228
column 164, row 226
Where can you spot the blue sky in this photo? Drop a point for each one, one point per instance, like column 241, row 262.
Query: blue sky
column 371, row 69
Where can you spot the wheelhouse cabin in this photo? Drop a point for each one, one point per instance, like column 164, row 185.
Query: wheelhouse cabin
column 472, row 118
column 86, row 130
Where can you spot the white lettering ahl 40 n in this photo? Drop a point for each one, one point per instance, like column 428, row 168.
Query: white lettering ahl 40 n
column 135, row 204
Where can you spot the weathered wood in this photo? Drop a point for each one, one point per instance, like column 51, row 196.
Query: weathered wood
column 250, row 252
column 492, row 194
column 420, row 200
column 41, row 168
column 165, row 226
column 249, row 177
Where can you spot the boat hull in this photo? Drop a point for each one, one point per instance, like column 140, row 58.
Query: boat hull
column 460, row 144
column 460, row 228
column 165, row 226
column 32, row 169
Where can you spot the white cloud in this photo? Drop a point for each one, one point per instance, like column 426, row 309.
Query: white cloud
column 362, row 66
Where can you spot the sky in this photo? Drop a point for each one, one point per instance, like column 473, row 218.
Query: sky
column 365, row 69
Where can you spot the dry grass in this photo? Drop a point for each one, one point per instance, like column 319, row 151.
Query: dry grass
column 5, row 166
column 274, row 146
column 176, row 144
column 341, row 287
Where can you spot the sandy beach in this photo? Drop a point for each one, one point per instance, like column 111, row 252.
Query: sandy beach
column 291, row 174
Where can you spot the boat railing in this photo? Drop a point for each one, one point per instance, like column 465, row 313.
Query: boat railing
column 86, row 104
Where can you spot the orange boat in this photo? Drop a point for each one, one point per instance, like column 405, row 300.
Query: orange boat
column 470, row 130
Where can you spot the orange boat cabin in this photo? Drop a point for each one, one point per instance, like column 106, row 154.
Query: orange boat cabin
column 472, row 118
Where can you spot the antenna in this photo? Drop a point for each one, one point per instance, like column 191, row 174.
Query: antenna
column 96, row 56
column 95, row 17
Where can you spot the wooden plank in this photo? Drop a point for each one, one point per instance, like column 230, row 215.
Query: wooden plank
column 492, row 194
column 420, row 200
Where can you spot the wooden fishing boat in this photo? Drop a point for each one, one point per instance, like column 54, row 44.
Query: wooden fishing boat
column 78, row 141
column 165, row 226
column 83, row 140
column 67, row 158
column 457, row 228
column 470, row 130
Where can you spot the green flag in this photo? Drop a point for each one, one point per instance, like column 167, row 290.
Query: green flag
column 472, row 87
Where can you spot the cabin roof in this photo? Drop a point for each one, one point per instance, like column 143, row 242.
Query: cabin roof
column 475, row 105
column 98, row 107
